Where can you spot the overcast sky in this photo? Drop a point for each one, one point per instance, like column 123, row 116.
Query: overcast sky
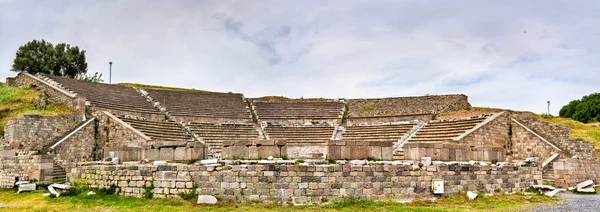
column 507, row 54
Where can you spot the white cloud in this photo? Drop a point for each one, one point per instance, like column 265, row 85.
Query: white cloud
column 509, row 54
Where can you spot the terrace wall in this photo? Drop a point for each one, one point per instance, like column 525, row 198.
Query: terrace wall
column 29, row 167
column 306, row 183
column 453, row 152
column 56, row 95
column 570, row 172
column 33, row 132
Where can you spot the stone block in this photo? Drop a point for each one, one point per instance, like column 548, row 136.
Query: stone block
column 376, row 152
column 334, row 152
column 266, row 151
column 152, row 154
column 167, row 154
column 236, row 152
column 387, row 153
column 181, row 154
column 360, row 152
column 253, row 152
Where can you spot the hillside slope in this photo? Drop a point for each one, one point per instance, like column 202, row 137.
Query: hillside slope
column 16, row 101
column 589, row 131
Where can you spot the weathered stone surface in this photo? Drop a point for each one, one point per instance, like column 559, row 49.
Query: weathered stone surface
column 26, row 187
column 585, row 184
column 471, row 195
column 206, row 199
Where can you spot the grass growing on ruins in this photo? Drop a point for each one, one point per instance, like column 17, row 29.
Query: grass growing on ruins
column 589, row 131
column 15, row 101
column 34, row 201
column 142, row 86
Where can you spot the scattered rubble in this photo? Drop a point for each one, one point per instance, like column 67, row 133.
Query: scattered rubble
column 206, row 199
column 471, row 195
column 26, row 187
column 61, row 187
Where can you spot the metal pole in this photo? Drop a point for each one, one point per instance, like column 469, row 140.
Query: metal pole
column 548, row 107
column 110, row 73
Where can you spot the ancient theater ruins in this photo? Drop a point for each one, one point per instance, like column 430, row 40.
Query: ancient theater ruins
column 283, row 149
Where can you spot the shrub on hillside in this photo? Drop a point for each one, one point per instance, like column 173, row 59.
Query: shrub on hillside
column 585, row 110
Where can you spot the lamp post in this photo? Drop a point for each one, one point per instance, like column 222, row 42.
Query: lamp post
column 548, row 107
column 110, row 73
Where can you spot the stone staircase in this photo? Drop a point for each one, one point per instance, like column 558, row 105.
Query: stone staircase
column 59, row 175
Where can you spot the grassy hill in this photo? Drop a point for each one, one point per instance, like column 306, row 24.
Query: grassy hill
column 589, row 131
column 19, row 101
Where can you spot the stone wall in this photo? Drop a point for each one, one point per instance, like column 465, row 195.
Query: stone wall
column 350, row 121
column 525, row 144
column 406, row 105
column 359, row 150
column 493, row 132
column 453, row 152
column 557, row 134
column 570, row 172
column 33, row 132
column 10, row 81
column 114, row 133
column 148, row 116
column 29, row 167
column 56, row 95
column 306, row 183
column 80, row 147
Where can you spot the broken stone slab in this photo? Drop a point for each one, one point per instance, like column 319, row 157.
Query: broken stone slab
column 21, row 182
column 426, row 161
column 551, row 193
column 588, row 189
column 26, row 187
column 206, row 199
column 114, row 161
column 270, row 158
column 585, row 184
column 60, row 186
column 471, row 195
column 267, row 162
column 210, row 161
column 531, row 160
column 543, row 187
column 159, row 163
column 52, row 191
column 358, row 162
column 91, row 193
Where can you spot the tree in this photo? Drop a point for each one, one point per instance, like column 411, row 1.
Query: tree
column 585, row 110
column 90, row 78
column 43, row 57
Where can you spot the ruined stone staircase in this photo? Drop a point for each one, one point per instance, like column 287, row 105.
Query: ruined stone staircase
column 59, row 175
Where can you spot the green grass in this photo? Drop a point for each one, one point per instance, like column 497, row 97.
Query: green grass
column 142, row 86
column 16, row 101
column 589, row 131
column 34, row 201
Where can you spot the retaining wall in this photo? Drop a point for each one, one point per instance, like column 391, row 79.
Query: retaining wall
column 29, row 167
column 570, row 172
column 306, row 183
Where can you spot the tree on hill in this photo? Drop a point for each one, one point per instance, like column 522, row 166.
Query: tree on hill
column 585, row 110
column 43, row 57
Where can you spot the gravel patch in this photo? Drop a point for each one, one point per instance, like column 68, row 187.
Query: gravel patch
column 573, row 202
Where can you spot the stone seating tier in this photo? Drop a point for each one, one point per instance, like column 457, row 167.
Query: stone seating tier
column 109, row 96
column 376, row 133
column 167, row 131
column 224, row 132
column 444, row 131
column 202, row 104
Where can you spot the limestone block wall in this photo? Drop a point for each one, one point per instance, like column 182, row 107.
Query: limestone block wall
column 29, row 167
column 557, row 134
column 33, row 132
column 254, row 149
column 570, row 172
column 493, row 133
column 77, row 103
column 350, row 121
column 453, row 152
column 82, row 146
column 406, row 105
column 359, row 150
column 305, row 183
column 525, row 144
column 181, row 154
column 302, row 121
column 113, row 133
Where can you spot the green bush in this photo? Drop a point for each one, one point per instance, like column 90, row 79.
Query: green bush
column 585, row 110
column 188, row 195
column 75, row 190
column 148, row 191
